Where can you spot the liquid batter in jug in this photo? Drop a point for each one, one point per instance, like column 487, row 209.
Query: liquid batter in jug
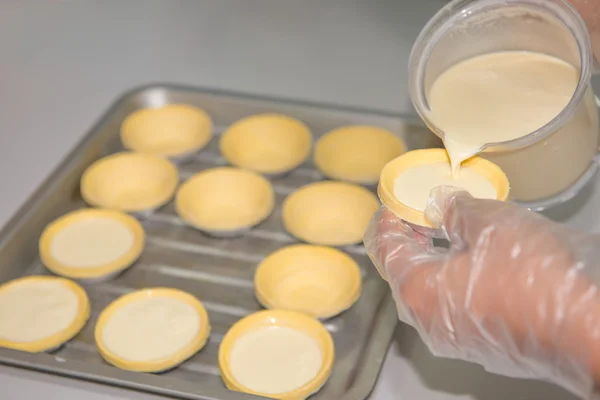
column 498, row 97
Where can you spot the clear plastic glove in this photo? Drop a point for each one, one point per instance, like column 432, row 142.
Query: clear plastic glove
column 590, row 12
column 514, row 292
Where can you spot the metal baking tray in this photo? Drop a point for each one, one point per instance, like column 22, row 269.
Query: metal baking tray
column 218, row 271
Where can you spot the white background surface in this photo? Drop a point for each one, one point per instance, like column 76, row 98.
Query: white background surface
column 62, row 63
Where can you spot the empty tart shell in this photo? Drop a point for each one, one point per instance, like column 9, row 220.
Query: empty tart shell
column 225, row 200
column 145, row 303
column 329, row 213
column 272, row 319
column 316, row 280
column 91, row 244
column 129, row 182
column 490, row 171
column 270, row 144
column 356, row 153
column 56, row 301
column 173, row 130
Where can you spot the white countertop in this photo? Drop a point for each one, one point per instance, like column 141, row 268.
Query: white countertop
column 62, row 63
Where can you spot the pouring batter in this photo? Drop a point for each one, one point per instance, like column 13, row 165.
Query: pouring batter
column 498, row 97
column 413, row 186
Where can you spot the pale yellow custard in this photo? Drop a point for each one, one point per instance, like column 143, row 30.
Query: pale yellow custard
column 91, row 242
column 275, row 360
column 414, row 185
column 36, row 310
column 498, row 97
column 150, row 329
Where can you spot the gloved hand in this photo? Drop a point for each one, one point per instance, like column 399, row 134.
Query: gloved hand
column 590, row 12
column 514, row 292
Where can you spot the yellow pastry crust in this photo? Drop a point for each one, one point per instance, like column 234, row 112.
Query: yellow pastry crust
column 225, row 199
column 279, row 318
column 329, row 213
column 172, row 130
column 316, row 280
column 266, row 143
column 116, row 266
column 356, row 153
column 155, row 365
column 396, row 167
column 54, row 341
column 129, row 182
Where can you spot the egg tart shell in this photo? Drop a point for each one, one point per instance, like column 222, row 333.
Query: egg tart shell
column 129, row 182
column 173, row 130
column 279, row 318
column 356, row 153
column 155, row 365
column 270, row 144
column 52, row 342
column 101, row 272
column 329, row 213
column 316, row 280
column 396, row 167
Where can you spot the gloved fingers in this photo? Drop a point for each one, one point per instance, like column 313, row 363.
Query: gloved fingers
column 472, row 223
column 464, row 217
column 388, row 238
column 438, row 203
column 408, row 261
column 590, row 12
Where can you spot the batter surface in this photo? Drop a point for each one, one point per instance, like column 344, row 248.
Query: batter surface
column 275, row 360
column 413, row 186
column 498, row 97
column 91, row 243
column 33, row 311
column 151, row 329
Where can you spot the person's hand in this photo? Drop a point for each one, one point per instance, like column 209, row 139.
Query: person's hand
column 590, row 12
column 514, row 292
